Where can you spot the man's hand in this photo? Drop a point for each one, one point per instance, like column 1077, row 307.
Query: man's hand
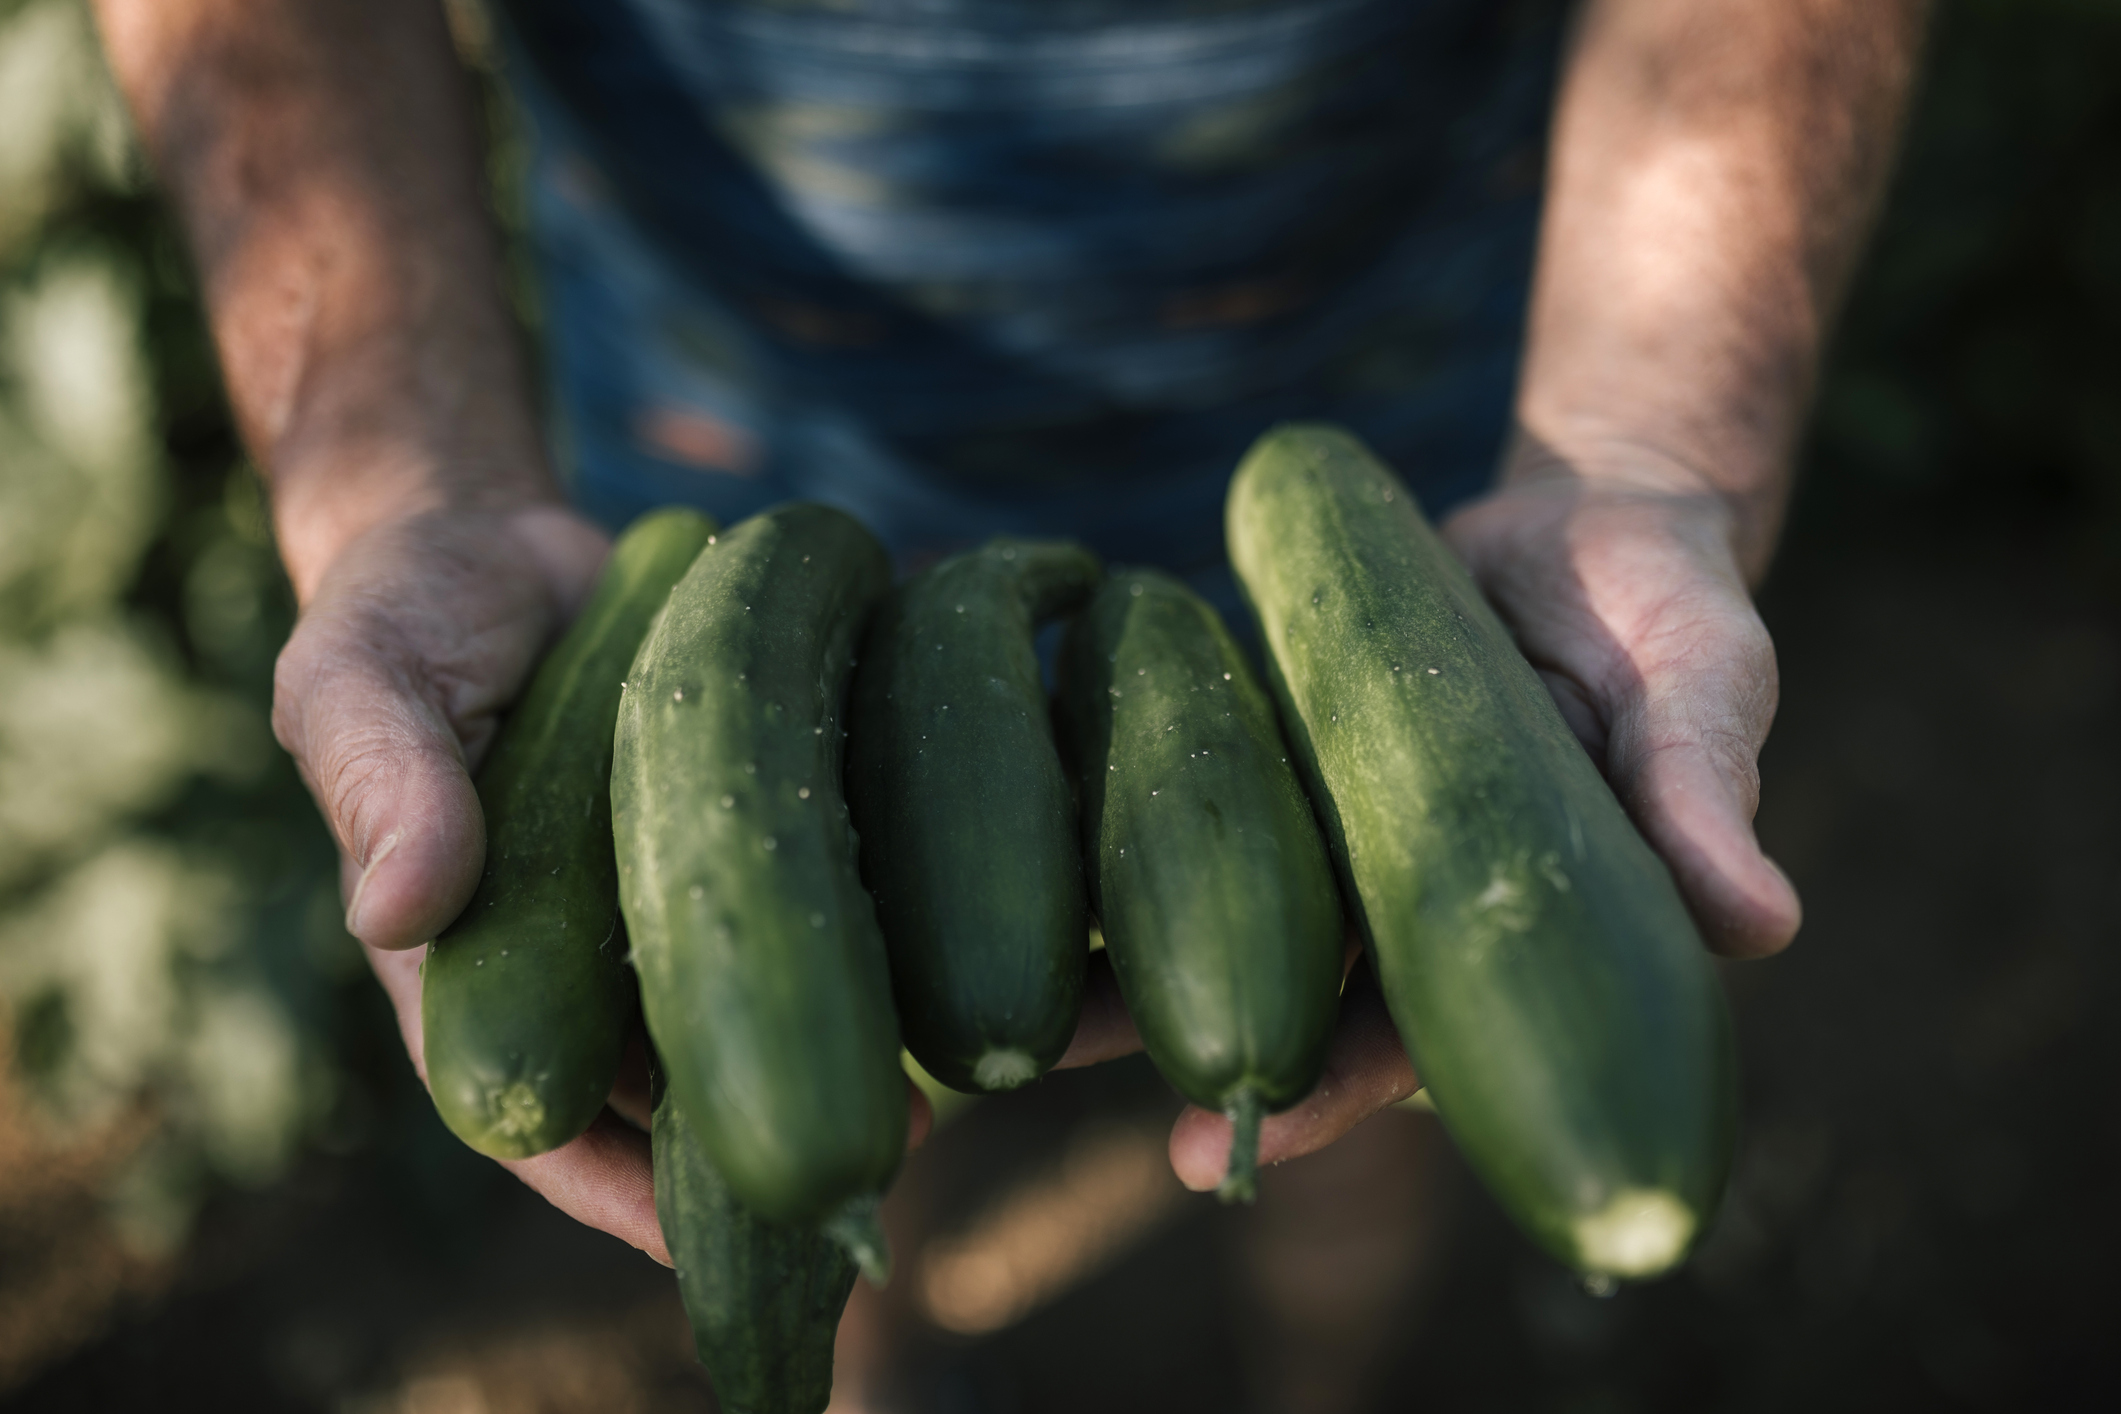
column 327, row 166
column 411, row 645
column 1713, row 168
column 1629, row 601
column 415, row 640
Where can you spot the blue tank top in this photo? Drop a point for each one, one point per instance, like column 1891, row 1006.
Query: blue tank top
column 1034, row 250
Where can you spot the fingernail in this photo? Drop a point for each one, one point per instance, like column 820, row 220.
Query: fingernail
column 368, row 871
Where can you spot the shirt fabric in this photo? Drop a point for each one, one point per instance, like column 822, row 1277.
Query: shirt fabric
column 1038, row 266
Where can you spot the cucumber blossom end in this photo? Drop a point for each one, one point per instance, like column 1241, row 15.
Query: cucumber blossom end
column 1642, row 1232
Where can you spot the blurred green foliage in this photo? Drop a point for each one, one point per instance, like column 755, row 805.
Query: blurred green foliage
column 169, row 918
column 169, row 929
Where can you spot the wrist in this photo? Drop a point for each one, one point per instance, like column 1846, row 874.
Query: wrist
column 378, row 438
column 332, row 494
column 1736, row 498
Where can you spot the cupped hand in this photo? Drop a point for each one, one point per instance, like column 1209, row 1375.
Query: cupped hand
column 408, row 649
column 1625, row 591
column 1626, row 594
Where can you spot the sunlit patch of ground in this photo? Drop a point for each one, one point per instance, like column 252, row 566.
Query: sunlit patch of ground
column 64, row 1270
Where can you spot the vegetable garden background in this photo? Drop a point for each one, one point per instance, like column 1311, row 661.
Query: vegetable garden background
column 220, row 1186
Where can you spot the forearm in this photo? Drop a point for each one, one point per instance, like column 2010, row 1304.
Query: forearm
column 1714, row 168
column 325, row 160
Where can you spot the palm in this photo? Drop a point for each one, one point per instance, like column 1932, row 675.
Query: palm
column 1632, row 608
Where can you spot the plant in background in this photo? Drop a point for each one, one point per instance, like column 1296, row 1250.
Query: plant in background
column 168, row 925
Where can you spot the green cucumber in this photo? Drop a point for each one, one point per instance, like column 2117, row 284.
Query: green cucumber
column 525, row 1000
column 762, row 972
column 966, row 816
column 1211, row 883
column 764, row 1298
column 1548, row 983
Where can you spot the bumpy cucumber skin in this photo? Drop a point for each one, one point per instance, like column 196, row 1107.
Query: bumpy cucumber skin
column 1535, row 954
column 762, row 972
column 1211, row 882
column 764, row 1298
column 966, row 815
column 525, row 999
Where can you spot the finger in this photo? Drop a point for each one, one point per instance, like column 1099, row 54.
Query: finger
column 387, row 772
column 1638, row 619
column 1104, row 1031
column 1696, row 812
column 1366, row 1070
column 601, row 1177
column 399, row 972
column 1683, row 758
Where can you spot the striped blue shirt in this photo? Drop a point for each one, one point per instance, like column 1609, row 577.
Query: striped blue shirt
column 1029, row 265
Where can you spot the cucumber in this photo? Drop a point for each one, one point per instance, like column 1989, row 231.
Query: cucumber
column 525, row 1000
column 966, row 817
column 762, row 972
column 764, row 1298
column 1548, row 983
column 1211, row 883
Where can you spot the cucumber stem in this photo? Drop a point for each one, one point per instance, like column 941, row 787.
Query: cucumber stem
column 1241, row 1174
column 856, row 1229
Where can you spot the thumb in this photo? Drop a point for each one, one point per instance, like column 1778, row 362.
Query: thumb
column 380, row 756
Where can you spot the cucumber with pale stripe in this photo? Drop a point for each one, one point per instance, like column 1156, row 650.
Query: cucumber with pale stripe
column 1543, row 972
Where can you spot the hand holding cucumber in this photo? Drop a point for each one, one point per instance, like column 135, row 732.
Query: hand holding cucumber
column 1624, row 586
column 414, row 637
column 413, row 641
